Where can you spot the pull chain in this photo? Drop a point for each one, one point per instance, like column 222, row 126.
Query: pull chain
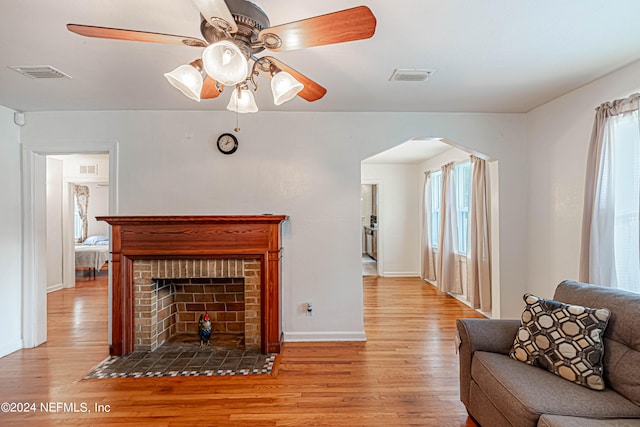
column 237, row 129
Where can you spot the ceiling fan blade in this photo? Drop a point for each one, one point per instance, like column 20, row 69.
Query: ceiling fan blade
column 209, row 89
column 312, row 91
column 133, row 35
column 214, row 11
column 338, row 27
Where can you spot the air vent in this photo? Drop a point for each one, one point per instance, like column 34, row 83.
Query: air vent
column 40, row 71
column 88, row 170
column 410, row 75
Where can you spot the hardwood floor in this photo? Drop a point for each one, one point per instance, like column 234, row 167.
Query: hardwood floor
column 405, row 374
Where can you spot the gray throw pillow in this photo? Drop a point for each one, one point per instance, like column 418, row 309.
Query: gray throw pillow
column 563, row 339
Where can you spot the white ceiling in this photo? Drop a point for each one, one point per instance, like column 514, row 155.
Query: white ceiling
column 489, row 55
column 413, row 151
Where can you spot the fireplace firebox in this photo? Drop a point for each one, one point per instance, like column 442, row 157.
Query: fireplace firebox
column 148, row 254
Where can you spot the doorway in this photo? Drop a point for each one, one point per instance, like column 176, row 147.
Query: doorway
column 76, row 242
column 369, row 220
column 35, row 225
column 401, row 170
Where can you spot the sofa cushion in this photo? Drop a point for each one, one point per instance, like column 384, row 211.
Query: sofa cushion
column 522, row 392
column 560, row 421
column 485, row 414
column 564, row 339
column 622, row 336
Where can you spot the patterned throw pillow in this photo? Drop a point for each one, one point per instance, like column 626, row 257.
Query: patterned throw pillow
column 563, row 339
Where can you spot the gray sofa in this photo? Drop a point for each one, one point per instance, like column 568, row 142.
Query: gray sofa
column 500, row 391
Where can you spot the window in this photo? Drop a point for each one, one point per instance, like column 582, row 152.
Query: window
column 436, row 191
column 626, row 189
column 462, row 176
column 610, row 251
column 77, row 221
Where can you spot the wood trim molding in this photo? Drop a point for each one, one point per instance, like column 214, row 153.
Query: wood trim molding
column 237, row 236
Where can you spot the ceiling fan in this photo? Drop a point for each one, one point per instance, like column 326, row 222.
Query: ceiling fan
column 235, row 31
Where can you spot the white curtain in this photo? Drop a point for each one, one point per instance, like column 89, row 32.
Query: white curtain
column 610, row 250
column 478, row 255
column 448, row 269
column 82, row 200
column 428, row 265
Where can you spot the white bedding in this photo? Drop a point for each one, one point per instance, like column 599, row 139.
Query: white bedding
column 91, row 256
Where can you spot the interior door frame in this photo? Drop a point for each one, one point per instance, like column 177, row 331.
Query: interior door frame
column 379, row 239
column 34, row 266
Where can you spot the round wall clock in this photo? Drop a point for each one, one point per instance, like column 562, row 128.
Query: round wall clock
column 227, row 143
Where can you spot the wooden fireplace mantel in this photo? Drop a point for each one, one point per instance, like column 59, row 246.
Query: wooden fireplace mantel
column 235, row 236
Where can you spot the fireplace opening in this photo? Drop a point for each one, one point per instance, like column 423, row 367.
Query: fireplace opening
column 180, row 302
column 171, row 295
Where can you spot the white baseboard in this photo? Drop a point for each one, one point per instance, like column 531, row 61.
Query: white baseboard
column 468, row 304
column 401, row 274
column 323, row 336
column 56, row 287
column 8, row 349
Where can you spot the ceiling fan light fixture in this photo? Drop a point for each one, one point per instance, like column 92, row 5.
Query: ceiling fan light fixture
column 242, row 101
column 188, row 79
column 284, row 87
column 225, row 62
column 234, row 31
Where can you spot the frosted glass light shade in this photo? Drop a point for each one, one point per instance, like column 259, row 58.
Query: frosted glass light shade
column 225, row 62
column 187, row 79
column 284, row 87
column 242, row 101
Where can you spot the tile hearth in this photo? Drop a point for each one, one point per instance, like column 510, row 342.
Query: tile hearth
column 184, row 357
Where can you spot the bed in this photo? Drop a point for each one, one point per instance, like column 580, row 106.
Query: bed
column 93, row 253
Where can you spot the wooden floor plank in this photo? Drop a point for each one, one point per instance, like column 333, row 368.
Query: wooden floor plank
column 406, row 374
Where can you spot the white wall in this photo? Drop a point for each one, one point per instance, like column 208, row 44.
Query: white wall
column 98, row 186
column 10, row 235
column 54, row 224
column 435, row 163
column 72, row 163
column 306, row 165
column 559, row 134
column 98, row 206
column 398, row 214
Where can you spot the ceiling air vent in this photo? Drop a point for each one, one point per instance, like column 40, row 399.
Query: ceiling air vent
column 88, row 170
column 410, row 75
column 40, row 71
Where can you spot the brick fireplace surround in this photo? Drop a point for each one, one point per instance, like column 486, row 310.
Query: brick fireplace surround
column 150, row 252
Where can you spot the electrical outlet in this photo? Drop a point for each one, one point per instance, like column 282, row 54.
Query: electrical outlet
column 309, row 309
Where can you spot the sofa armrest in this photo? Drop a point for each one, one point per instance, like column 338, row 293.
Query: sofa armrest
column 492, row 335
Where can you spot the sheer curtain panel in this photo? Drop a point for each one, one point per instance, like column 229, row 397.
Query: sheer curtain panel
column 610, row 250
column 82, row 200
column 428, row 265
column 478, row 255
column 448, row 270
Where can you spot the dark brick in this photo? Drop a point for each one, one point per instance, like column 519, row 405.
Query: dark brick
column 184, row 297
column 203, row 297
column 234, row 289
column 225, row 298
column 235, row 306
column 195, row 307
